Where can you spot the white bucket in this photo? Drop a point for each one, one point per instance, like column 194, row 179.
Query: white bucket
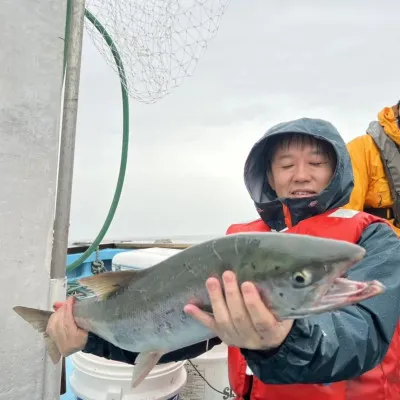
column 141, row 258
column 213, row 366
column 96, row 378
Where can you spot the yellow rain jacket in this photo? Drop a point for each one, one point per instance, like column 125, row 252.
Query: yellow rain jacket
column 371, row 188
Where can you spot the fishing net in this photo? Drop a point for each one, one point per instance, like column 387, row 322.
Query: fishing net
column 160, row 41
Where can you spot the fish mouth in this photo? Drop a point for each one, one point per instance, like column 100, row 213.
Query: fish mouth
column 346, row 291
column 342, row 292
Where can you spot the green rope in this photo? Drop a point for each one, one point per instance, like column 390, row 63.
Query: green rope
column 75, row 289
column 125, row 138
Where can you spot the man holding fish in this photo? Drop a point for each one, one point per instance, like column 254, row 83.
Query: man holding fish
column 308, row 300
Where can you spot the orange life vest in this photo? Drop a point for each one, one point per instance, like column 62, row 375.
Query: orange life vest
column 380, row 383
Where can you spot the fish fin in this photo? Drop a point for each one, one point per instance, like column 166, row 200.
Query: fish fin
column 107, row 283
column 145, row 362
column 39, row 319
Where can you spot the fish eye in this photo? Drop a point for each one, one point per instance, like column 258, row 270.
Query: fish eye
column 302, row 278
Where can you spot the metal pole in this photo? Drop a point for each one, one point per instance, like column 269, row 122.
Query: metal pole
column 52, row 373
column 67, row 142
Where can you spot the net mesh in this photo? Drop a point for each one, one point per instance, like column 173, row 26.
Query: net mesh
column 160, row 41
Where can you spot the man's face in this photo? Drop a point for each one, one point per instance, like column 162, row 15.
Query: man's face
column 300, row 170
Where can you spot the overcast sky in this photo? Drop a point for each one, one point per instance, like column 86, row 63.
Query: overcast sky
column 271, row 61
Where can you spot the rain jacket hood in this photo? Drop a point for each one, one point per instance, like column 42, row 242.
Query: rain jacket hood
column 269, row 206
column 388, row 121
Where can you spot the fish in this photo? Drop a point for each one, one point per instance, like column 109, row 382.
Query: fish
column 142, row 311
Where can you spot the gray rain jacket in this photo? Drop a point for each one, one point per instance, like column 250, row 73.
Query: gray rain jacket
column 338, row 345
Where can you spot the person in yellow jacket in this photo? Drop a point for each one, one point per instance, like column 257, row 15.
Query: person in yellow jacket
column 372, row 188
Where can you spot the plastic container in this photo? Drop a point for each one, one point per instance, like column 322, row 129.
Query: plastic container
column 142, row 258
column 95, row 378
column 213, row 366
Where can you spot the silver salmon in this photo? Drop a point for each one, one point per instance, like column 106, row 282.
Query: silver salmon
column 142, row 311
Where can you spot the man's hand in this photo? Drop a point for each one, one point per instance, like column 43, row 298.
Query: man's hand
column 63, row 330
column 242, row 320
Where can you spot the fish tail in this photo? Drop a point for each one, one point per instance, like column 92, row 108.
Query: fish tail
column 39, row 320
